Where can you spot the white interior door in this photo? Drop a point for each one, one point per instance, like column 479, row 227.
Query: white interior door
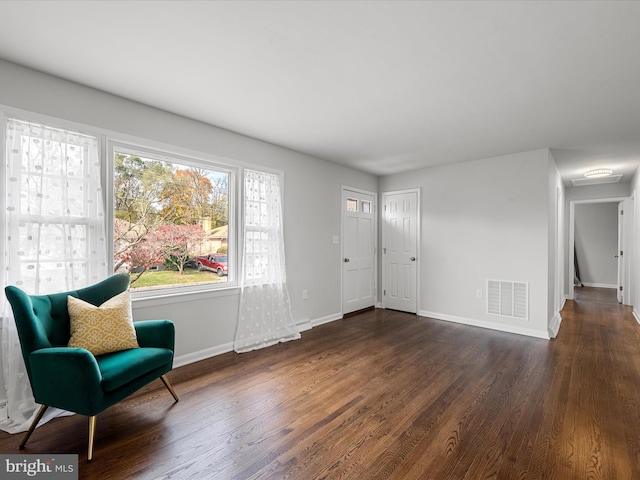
column 624, row 253
column 400, row 242
column 628, row 278
column 359, row 250
column 620, row 252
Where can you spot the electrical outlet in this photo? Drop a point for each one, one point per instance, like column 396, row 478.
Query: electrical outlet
column 305, row 295
column 479, row 293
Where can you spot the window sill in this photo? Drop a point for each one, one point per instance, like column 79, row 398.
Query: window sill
column 179, row 295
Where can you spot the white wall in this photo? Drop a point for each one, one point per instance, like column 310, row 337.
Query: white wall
column 206, row 322
column 485, row 219
column 596, row 243
column 596, row 192
column 556, row 247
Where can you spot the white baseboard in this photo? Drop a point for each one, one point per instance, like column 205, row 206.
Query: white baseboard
column 554, row 326
column 484, row 324
column 329, row 318
column 303, row 325
column 599, row 285
column 193, row 357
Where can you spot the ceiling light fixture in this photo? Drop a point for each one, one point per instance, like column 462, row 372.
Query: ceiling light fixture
column 598, row 172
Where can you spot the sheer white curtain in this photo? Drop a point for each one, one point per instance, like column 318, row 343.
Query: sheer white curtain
column 55, row 234
column 265, row 309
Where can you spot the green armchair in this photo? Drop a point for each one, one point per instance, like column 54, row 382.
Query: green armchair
column 73, row 379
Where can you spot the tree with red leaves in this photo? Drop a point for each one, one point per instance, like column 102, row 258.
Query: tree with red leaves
column 178, row 242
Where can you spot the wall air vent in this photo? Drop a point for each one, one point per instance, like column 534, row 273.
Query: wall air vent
column 580, row 182
column 508, row 299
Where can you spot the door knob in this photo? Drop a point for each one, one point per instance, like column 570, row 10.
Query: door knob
column 346, row 260
column 413, row 259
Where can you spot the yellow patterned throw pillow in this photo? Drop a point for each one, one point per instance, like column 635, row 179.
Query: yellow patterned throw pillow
column 104, row 329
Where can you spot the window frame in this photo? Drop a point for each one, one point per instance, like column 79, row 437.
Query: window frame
column 187, row 159
column 7, row 112
column 60, row 222
column 244, row 228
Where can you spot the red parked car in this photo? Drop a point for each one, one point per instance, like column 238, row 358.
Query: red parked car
column 215, row 262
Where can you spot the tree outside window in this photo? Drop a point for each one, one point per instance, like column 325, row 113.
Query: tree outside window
column 166, row 215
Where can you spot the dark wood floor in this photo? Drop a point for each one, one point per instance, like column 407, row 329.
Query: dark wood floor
column 386, row 395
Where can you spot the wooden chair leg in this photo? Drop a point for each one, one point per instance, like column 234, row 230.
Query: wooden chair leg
column 165, row 380
column 34, row 424
column 92, row 433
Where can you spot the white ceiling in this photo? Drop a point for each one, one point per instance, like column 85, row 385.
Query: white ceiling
column 381, row 86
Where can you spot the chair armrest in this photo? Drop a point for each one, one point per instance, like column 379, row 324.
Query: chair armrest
column 67, row 378
column 155, row 333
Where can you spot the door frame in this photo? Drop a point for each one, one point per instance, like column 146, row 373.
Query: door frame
column 571, row 271
column 347, row 188
column 418, row 243
column 627, row 225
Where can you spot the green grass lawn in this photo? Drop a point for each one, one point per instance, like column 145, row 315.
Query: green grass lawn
column 158, row 278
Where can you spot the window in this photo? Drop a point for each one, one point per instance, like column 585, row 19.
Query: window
column 171, row 220
column 263, row 255
column 54, row 216
column 352, row 204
